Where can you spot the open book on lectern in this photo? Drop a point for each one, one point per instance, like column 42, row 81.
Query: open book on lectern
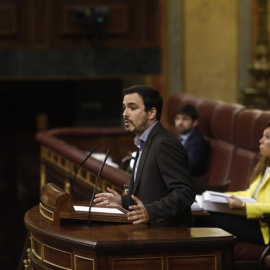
column 217, row 202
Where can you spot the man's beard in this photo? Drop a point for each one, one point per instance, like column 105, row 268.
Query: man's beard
column 128, row 128
column 186, row 131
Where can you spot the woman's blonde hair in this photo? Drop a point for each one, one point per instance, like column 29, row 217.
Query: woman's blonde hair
column 261, row 166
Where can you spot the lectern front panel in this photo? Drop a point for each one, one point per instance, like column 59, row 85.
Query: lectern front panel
column 111, row 246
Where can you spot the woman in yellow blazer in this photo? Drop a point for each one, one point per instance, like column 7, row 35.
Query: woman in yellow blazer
column 248, row 228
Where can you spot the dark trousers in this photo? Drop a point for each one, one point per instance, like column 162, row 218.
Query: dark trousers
column 246, row 230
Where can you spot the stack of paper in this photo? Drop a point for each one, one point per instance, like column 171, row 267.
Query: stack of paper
column 217, row 202
column 197, row 205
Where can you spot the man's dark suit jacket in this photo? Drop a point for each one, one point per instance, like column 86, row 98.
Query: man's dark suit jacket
column 163, row 182
column 197, row 150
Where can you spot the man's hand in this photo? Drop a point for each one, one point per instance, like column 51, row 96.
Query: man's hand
column 110, row 198
column 138, row 213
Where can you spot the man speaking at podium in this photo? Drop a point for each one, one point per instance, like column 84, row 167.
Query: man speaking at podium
column 161, row 191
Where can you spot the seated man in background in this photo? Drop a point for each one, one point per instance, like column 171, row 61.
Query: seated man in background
column 186, row 122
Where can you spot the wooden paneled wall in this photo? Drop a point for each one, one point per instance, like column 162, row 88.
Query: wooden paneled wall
column 49, row 24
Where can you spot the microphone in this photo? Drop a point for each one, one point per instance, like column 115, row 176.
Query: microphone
column 95, row 188
column 74, row 178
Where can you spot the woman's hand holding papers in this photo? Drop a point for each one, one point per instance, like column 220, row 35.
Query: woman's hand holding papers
column 235, row 203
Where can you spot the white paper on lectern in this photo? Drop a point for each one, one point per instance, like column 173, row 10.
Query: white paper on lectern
column 95, row 209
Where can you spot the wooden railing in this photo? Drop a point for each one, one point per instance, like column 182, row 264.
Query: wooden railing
column 64, row 149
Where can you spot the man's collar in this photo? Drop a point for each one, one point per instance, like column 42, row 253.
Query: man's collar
column 144, row 136
column 186, row 135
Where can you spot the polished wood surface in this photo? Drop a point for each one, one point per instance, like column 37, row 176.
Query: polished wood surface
column 125, row 246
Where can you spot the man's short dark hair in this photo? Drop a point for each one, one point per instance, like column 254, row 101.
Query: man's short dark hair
column 151, row 97
column 188, row 109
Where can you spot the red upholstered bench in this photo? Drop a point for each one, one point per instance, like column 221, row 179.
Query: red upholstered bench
column 233, row 133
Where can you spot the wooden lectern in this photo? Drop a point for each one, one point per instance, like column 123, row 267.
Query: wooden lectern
column 116, row 246
column 56, row 205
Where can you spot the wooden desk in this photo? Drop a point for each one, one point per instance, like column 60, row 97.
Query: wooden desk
column 126, row 246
